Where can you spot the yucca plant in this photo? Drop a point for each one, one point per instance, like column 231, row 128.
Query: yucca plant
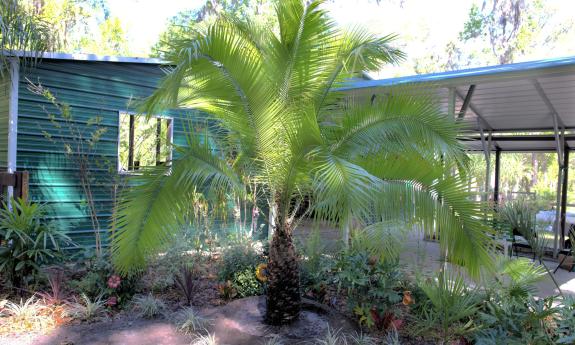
column 277, row 116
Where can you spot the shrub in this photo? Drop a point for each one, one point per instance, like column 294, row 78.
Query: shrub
column 566, row 321
column 148, row 306
column 246, row 283
column 189, row 321
column 27, row 242
column 101, row 282
column 238, row 257
column 372, row 287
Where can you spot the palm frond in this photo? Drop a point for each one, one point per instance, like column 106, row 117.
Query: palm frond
column 153, row 208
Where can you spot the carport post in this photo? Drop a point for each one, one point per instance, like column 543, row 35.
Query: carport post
column 560, row 139
column 497, row 176
column 564, row 195
column 486, row 145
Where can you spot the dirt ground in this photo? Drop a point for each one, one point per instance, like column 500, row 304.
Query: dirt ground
column 117, row 332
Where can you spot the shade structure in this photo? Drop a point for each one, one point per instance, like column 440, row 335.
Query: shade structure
column 520, row 107
column 531, row 97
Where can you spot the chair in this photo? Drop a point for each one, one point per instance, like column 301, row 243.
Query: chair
column 515, row 244
column 568, row 247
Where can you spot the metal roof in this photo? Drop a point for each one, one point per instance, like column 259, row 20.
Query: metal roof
column 519, row 97
column 90, row 57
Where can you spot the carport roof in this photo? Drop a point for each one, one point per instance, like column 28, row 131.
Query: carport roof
column 525, row 97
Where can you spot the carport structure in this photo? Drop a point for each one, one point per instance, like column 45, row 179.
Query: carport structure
column 520, row 107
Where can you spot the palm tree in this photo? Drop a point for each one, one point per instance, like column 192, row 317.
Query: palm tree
column 277, row 117
column 23, row 33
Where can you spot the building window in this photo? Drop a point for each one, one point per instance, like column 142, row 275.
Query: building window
column 143, row 141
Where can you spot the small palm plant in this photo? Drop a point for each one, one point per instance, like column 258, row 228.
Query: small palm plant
column 277, row 117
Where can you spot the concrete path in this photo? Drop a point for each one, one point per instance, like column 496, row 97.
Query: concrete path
column 423, row 256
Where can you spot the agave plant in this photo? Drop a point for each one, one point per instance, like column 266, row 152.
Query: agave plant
column 277, row 116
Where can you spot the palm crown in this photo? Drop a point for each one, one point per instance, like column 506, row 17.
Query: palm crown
column 279, row 119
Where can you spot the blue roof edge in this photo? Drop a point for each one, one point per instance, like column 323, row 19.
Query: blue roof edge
column 471, row 72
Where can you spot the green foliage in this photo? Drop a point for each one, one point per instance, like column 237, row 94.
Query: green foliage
column 511, row 314
column 278, row 119
column 80, row 26
column 186, row 22
column 190, row 321
column 79, row 141
column 371, row 284
column 22, row 31
column 95, row 282
column 525, row 320
column 148, row 306
column 27, row 242
column 315, row 264
column 87, row 309
column 519, row 216
column 450, row 306
column 238, row 257
column 566, row 321
column 246, row 283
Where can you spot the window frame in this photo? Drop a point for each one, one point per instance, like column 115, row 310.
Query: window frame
column 170, row 120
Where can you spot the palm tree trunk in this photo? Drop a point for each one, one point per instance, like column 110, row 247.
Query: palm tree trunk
column 283, row 294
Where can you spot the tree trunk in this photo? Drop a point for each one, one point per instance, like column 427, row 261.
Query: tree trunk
column 283, row 294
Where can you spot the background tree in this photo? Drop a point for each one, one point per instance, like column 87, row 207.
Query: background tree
column 502, row 32
column 180, row 25
column 83, row 26
column 277, row 118
column 23, row 32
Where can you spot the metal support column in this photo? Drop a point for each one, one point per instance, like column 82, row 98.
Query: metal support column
column 564, row 195
column 486, row 145
column 497, row 177
column 561, row 164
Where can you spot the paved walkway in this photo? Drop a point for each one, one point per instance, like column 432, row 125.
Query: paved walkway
column 424, row 257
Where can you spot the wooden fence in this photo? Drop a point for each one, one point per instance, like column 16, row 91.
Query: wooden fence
column 18, row 180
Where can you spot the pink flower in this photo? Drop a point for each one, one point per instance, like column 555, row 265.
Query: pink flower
column 114, row 281
column 112, row 301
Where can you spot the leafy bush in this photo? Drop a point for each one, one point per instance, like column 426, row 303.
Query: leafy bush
column 27, row 242
column 246, row 283
column 100, row 281
column 314, row 264
column 372, row 287
column 238, row 257
column 566, row 321
column 148, row 306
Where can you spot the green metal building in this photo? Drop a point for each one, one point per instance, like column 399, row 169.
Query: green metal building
column 94, row 87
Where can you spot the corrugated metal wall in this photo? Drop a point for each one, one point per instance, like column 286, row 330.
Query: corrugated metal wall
column 4, row 105
column 91, row 89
